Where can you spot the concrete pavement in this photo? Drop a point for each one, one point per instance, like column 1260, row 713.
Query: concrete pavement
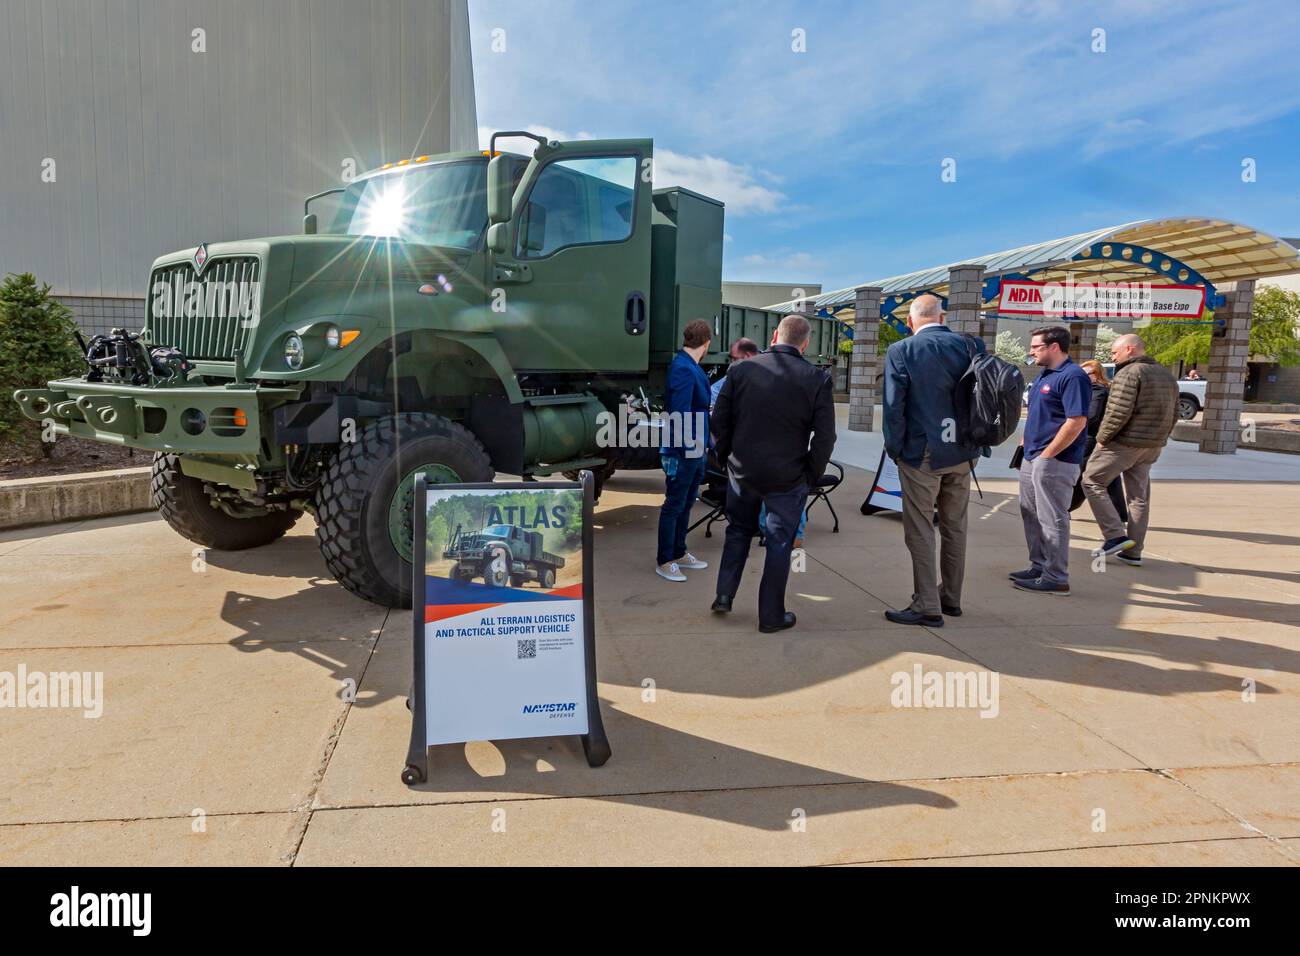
column 254, row 712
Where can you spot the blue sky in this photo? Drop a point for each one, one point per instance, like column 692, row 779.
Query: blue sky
column 830, row 160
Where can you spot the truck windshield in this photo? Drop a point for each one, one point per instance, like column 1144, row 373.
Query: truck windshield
column 443, row 204
column 497, row 530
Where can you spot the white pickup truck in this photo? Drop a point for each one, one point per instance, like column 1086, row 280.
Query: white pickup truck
column 1191, row 394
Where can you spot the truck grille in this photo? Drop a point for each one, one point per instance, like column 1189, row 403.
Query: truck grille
column 206, row 317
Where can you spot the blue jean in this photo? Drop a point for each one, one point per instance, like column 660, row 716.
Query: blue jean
column 680, row 490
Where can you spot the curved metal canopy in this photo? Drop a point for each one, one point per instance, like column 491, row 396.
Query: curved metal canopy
column 1217, row 250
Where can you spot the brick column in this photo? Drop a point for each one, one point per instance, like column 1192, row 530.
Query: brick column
column 1083, row 341
column 1226, row 378
column 863, row 364
column 965, row 296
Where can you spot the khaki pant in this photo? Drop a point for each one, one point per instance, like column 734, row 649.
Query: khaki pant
column 1134, row 464
column 947, row 489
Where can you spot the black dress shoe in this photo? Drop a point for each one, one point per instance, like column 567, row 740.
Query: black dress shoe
column 952, row 610
column 914, row 617
column 722, row 604
column 786, row 622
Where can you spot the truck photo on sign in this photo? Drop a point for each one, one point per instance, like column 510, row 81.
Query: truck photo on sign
column 502, row 616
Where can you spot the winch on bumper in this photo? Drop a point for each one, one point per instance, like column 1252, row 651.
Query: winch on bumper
column 211, row 419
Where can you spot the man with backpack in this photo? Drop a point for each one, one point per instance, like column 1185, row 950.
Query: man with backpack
column 935, row 452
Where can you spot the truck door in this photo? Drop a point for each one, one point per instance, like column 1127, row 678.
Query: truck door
column 576, row 276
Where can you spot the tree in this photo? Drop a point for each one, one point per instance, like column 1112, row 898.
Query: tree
column 1274, row 324
column 1007, row 346
column 886, row 337
column 37, row 344
column 1105, row 339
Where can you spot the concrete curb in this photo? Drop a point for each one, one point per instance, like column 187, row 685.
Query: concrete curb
column 1266, row 439
column 95, row 494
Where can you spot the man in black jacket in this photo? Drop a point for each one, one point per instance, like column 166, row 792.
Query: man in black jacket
column 774, row 426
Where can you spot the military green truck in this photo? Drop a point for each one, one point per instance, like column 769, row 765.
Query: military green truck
column 461, row 315
column 501, row 554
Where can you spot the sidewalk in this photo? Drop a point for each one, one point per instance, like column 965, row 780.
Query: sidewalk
column 1121, row 734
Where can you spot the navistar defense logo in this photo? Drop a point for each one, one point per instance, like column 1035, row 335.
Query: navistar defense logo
column 200, row 257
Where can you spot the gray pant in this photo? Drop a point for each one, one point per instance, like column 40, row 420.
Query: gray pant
column 1134, row 464
column 947, row 489
column 1046, row 489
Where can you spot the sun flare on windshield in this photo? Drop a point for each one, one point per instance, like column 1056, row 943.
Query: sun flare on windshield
column 384, row 211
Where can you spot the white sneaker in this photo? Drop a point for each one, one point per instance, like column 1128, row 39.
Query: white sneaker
column 691, row 563
column 670, row 571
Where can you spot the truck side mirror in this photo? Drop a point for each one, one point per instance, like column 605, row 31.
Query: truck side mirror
column 500, row 190
column 498, row 237
column 309, row 224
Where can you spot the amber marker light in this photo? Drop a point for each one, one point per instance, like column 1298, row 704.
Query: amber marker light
column 240, row 418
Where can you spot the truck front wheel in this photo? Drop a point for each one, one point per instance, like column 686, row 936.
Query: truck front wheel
column 364, row 505
column 496, row 569
column 189, row 510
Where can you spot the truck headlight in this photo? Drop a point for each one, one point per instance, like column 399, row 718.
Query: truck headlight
column 293, row 352
column 332, row 337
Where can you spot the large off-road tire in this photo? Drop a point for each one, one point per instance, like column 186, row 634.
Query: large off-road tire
column 601, row 475
column 363, row 507
column 183, row 504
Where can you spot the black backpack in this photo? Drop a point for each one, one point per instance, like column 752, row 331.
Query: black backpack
column 989, row 394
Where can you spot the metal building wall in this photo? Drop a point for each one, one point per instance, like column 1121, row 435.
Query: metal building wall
column 158, row 147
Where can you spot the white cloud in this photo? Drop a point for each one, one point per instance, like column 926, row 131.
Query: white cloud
column 777, row 266
column 718, row 178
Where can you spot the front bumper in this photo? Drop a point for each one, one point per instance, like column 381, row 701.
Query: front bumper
column 210, row 419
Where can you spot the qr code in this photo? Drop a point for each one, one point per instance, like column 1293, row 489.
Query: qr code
column 527, row 648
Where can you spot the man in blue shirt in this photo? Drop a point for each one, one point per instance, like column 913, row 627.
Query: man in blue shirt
column 740, row 350
column 685, row 442
column 1055, row 435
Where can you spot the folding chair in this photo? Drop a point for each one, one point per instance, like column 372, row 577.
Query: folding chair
column 822, row 492
column 713, row 492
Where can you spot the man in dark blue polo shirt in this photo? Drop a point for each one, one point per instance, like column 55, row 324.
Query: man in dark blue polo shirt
column 1055, row 435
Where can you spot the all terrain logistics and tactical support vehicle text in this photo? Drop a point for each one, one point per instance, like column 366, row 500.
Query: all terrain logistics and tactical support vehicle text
column 464, row 314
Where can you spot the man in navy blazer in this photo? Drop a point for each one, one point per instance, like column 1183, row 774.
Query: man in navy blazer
column 935, row 461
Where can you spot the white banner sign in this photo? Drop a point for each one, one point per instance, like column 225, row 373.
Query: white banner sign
column 886, row 492
column 1120, row 300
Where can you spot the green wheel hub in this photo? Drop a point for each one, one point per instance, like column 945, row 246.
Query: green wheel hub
column 401, row 510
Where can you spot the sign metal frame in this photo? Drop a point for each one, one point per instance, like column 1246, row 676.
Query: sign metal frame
column 595, row 743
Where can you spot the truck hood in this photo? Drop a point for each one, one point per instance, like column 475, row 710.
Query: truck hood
column 351, row 259
column 335, row 258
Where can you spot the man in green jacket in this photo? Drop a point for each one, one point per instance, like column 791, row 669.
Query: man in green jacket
column 1140, row 416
